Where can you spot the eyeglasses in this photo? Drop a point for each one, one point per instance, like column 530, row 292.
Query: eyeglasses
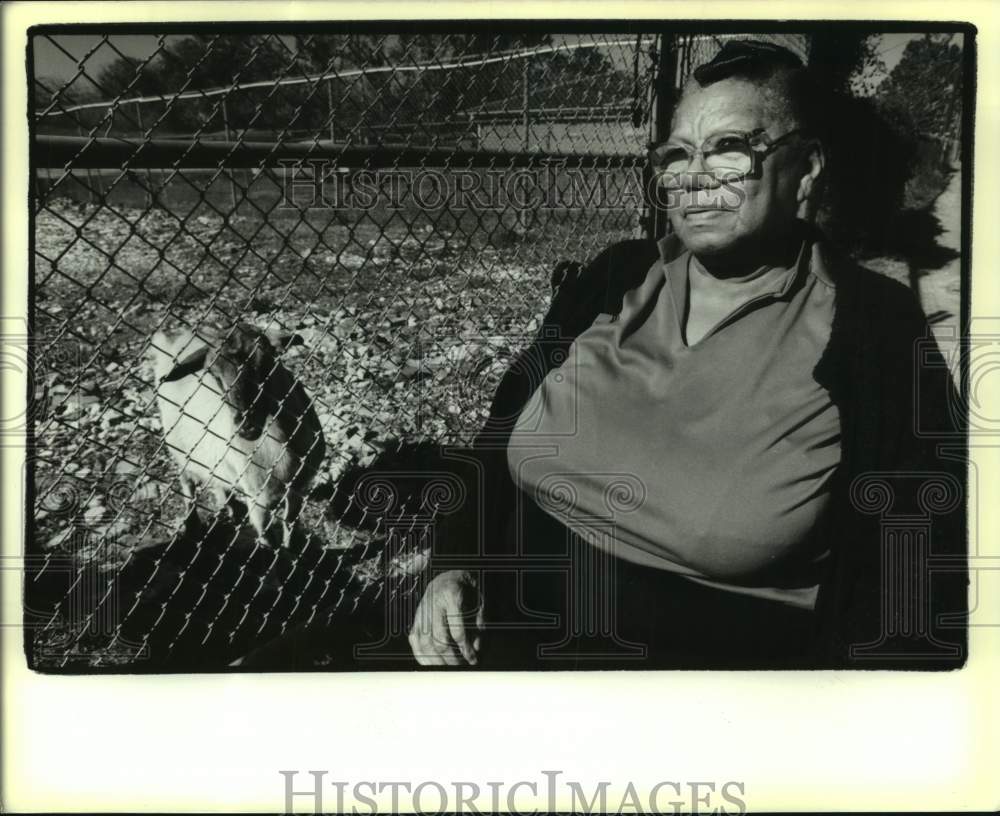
column 728, row 156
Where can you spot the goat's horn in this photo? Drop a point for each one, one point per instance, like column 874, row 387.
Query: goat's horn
column 195, row 361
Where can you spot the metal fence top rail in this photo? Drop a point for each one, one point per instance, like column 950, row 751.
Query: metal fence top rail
column 79, row 152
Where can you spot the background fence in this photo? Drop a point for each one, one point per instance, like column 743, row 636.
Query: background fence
column 163, row 200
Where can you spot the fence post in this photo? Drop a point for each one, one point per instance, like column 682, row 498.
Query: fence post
column 92, row 196
column 148, row 193
column 229, row 173
column 329, row 107
column 522, row 216
column 666, row 93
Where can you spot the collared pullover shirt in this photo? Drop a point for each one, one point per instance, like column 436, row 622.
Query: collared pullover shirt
column 712, row 460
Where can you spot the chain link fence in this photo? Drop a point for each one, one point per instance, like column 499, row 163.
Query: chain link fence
column 394, row 202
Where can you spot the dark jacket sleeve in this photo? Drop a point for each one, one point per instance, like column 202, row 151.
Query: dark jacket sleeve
column 581, row 292
column 897, row 595
column 933, row 439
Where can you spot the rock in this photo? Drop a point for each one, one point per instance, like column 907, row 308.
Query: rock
column 95, row 513
column 115, row 531
column 150, row 490
column 345, row 327
column 411, row 368
column 261, row 304
column 59, row 538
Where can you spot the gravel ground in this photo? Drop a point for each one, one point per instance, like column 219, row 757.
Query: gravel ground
column 406, row 335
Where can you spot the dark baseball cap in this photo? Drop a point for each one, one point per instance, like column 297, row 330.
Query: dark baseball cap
column 745, row 57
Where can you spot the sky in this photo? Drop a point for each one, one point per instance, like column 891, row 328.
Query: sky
column 892, row 46
column 51, row 61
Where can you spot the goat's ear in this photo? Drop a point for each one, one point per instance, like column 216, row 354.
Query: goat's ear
column 189, row 365
column 282, row 340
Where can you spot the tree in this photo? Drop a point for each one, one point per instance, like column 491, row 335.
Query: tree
column 924, row 90
column 202, row 62
column 373, row 89
column 53, row 96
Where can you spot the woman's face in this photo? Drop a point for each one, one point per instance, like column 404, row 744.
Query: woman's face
column 715, row 220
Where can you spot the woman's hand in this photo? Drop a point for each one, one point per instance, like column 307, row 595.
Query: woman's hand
column 449, row 620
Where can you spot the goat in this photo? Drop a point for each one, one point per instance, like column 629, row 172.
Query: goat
column 236, row 420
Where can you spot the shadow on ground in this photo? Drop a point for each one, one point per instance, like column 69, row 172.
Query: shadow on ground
column 913, row 237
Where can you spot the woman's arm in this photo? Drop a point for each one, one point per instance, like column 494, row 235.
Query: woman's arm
column 449, row 618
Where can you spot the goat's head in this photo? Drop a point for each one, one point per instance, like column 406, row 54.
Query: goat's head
column 242, row 363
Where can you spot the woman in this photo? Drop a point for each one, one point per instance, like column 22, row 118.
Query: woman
column 670, row 474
